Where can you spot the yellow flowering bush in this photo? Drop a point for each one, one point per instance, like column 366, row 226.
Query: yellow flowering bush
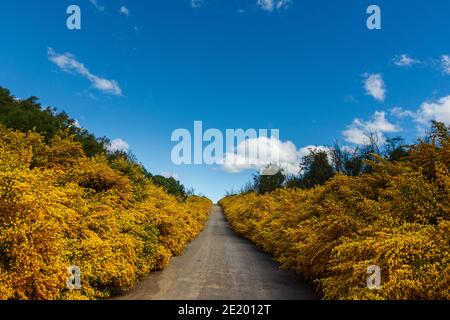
column 396, row 217
column 59, row 208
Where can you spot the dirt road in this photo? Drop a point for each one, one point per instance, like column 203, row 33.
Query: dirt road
column 221, row 265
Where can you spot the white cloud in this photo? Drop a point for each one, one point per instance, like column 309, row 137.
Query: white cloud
column 360, row 131
column 273, row 5
column 68, row 63
column 249, row 155
column 124, row 10
column 270, row 151
column 401, row 113
column 434, row 110
column 445, row 60
column 118, row 145
column 97, row 5
column 405, row 60
column 438, row 110
column 197, row 3
column 375, row 86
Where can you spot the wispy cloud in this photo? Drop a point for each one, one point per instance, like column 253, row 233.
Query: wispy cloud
column 437, row 110
column 274, row 5
column 375, row 86
column 445, row 63
column 118, row 145
column 97, row 5
column 266, row 5
column 360, row 131
column 197, row 3
column 405, row 61
column 124, row 10
column 402, row 113
column 68, row 63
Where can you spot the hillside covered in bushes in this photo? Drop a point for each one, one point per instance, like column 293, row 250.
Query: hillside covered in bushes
column 28, row 115
column 395, row 215
column 66, row 201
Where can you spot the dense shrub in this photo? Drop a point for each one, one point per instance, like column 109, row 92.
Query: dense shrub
column 59, row 208
column 396, row 217
column 28, row 115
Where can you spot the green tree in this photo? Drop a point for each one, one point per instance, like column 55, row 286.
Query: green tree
column 28, row 115
column 268, row 183
column 395, row 149
column 316, row 169
column 170, row 185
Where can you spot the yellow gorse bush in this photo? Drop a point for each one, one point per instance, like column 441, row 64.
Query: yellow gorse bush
column 59, row 208
column 397, row 217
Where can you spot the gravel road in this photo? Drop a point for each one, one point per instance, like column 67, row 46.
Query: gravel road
column 221, row 265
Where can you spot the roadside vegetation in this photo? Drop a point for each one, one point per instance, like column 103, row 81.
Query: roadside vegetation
column 347, row 210
column 65, row 200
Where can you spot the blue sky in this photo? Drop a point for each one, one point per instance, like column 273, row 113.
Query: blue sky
column 309, row 68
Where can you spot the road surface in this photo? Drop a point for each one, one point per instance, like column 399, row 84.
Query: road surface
column 220, row 265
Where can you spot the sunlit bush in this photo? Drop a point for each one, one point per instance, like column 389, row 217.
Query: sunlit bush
column 397, row 217
column 59, row 208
